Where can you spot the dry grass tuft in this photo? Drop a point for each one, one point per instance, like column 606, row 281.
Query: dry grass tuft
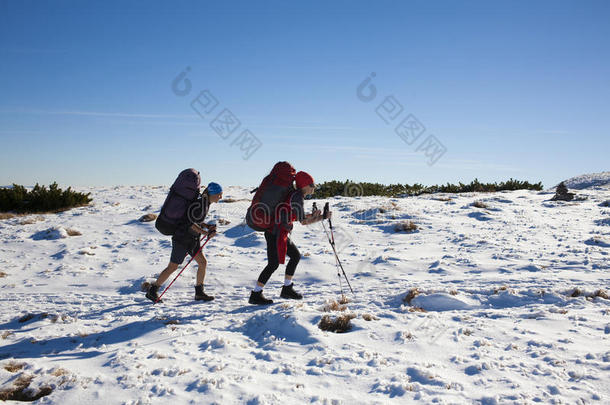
column 26, row 317
column 498, row 289
column 344, row 300
column 29, row 317
column 147, row 218
column 73, row 232
column 3, row 274
column 86, row 252
column 480, row 204
column 369, row 317
column 417, row 309
column 413, row 292
column 172, row 322
column 63, row 318
column 13, row 367
column 601, row 294
column 31, row 220
column 20, row 392
column 6, row 215
column 339, row 324
column 334, row 306
column 406, row 226
column 58, row 372
column 6, row 334
column 222, row 221
column 391, row 207
column 577, row 292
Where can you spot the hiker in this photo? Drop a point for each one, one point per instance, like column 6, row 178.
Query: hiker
column 279, row 244
column 186, row 238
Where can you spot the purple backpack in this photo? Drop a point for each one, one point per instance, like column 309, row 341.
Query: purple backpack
column 183, row 192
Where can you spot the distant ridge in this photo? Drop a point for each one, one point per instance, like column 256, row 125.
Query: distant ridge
column 588, row 181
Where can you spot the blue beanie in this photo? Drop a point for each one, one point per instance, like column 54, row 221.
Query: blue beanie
column 214, row 188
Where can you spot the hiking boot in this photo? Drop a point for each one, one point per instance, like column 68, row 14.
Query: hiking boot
column 200, row 295
column 152, row 293
column 257, row 298
column 288, row 292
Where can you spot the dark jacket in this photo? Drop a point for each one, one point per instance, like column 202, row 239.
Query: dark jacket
column 195, row 214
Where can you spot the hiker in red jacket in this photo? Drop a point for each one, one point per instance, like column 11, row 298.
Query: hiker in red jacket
column 279, row 244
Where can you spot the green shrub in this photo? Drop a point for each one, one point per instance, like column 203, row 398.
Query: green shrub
column 348, row 188
column 40, row 199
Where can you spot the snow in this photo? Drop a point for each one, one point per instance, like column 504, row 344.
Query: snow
column 53, row 233
column 588, row 181
column 508, row 308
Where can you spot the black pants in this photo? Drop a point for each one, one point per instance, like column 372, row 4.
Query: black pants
column 292, row 252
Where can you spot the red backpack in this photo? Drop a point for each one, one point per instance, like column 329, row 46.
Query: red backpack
column 273, row 190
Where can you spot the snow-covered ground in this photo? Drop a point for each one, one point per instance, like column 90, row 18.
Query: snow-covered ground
column 592, row 180
column 503, row 315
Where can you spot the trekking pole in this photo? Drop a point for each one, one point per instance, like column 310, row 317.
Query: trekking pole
column 315, row 208
column 331, row 240
column 189, row 262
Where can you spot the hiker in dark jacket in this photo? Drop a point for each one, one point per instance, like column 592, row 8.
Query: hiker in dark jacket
column 279, row 244
column 186, row 240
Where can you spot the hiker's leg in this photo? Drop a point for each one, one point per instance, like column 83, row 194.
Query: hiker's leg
column 256, row 296
column 273, row 261
column 202, row 263
column 295, row 256
column 288, row 289
column 171, row 267
column 179, row 252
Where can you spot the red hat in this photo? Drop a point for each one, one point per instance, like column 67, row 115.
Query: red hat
column 303, row 179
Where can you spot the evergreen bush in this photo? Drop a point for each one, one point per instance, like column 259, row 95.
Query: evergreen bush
column 347, row 188
column 40, row 199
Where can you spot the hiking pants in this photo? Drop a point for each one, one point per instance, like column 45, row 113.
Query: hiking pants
column 273, row 261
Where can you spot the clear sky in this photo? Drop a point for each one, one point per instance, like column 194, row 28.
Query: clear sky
column 509, row 88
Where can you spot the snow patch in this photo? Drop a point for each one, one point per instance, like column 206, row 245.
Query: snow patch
column 54, row 233
column 591, row 180
column 444, row 302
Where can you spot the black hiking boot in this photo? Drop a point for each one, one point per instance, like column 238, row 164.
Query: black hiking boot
column 288, row 292
column 152, row 293
column 257, row 298
column 200, row 295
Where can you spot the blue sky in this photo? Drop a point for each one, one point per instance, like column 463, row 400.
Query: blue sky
column 510, row 89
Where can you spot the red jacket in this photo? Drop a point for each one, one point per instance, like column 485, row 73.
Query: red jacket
column 285, row 214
